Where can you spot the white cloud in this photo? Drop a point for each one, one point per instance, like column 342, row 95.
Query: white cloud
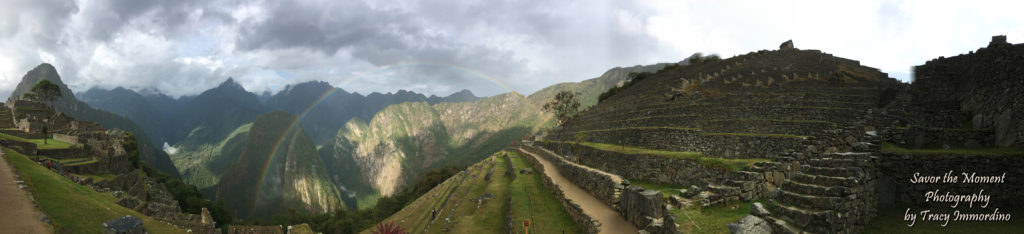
column 185, row 47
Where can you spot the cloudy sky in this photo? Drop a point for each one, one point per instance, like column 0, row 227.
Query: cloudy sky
column 183, row 47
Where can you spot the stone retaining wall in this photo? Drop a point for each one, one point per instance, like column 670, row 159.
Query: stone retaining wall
column 895, row 172
column 63, row 153
column 66, row 138
column 589, row 224
column 916, row 137
column 659, row 169
column 674, row 139
column 601, row 185
column 646, row 210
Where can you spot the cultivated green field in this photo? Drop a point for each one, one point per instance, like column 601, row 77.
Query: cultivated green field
column 73, row 208
column 49, row 144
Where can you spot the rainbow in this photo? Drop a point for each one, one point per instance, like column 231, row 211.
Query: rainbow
column 325, row 95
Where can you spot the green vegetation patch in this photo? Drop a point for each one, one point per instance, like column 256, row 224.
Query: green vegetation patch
column 50, row 143
column 714, row 219
column 753, row 134
column 531, row 200
column 773, row 120
column 639, row 128
column 892, row 148
column 97, row 177
column 890, row 220
column 720, row 163
column 74, row 208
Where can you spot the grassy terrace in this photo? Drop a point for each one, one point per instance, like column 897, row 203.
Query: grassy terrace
column 73, row 208
column 638, row 128
column 531, row 200
column 721, row 163
column 892, row 148
column 753, row 134
column 50, row 143
column 714, row 219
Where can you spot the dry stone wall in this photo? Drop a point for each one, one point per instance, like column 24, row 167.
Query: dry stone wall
column 988, row 83
column 918, row 137
column 600, row 185
column 589, row 224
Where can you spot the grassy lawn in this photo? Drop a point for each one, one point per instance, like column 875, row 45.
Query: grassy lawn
column 772, row 120
column 639, row 128
column 891, row 148
column 890, row 220
column 71, row 207
column 50, row 143
column 531, row 200
column 721, row 163
column 713, row 219
column 753, row 134
column 665, row 189
column 489, row 215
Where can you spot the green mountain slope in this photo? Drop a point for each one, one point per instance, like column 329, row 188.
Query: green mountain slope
column 277, row 169
column 482, row 198
column 409, row 138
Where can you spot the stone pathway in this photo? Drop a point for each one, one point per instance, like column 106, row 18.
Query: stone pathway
column 18, row 214
column 610, row 220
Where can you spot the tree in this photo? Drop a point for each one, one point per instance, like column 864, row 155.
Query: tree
column 564, row 106
column 44, row 91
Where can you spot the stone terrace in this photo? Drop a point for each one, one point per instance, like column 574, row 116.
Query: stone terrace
column 756, row 105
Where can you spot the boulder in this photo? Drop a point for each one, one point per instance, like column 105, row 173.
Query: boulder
column 750, row 225
column 758, row 209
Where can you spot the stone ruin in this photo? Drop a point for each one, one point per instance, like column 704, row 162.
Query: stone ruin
column 820, row 121
column 787, row 45
column 124, row 225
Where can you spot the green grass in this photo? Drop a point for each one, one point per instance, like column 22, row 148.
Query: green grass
column 714, row 219
column 772, row 120
column 753, row 134
column 892, row 148
column 71, row 207
column 890, row 220
column 488, row 217
column 665, row 189
column 639, row 128
column 50, row 143
column 720, row 163
column 531, row 200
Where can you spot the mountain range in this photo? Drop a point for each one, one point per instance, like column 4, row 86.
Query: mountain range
column 314, row 147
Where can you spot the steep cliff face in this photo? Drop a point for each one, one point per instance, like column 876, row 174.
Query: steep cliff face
column 278, row 169
column 380, row 147
column 409, row 138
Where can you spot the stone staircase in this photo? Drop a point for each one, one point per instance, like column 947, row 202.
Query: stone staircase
column 830, row 193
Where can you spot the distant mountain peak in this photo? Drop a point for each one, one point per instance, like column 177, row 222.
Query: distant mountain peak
column 463, row 92
column 230, row 83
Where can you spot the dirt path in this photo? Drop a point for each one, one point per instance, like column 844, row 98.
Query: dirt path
column 18, row 216
column 610, row 220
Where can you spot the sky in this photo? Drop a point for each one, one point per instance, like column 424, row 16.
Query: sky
column 184, row 47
